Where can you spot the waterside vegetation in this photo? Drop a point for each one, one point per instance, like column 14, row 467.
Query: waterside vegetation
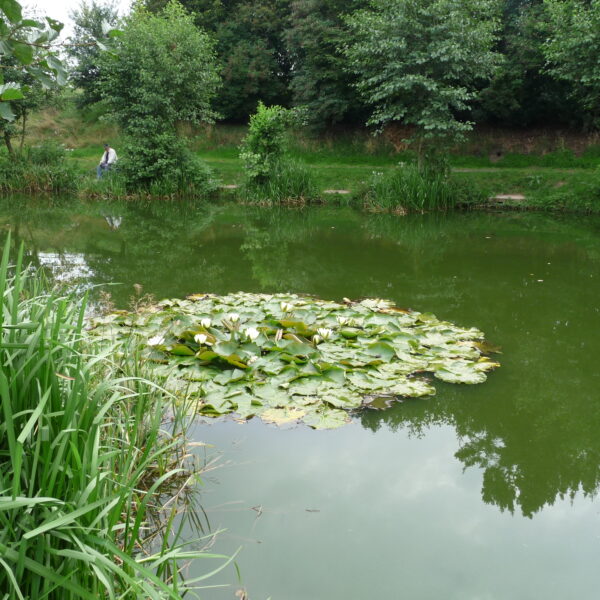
column 168, row 70
column 92, row 480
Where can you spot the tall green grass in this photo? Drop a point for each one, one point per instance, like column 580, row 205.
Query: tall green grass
column 410, row 189
column 288, row 182
column 37, row 169
column 90, row 480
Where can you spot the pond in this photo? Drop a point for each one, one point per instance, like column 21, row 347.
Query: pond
column 481, row 492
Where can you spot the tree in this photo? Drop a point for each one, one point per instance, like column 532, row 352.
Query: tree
column 35, row 97
column 27, row 49
column 419, row 61
column 572, row 50
column 522, row 92
column 163, row 72
column 319, row 81
column 255, row 64
column 90, row 21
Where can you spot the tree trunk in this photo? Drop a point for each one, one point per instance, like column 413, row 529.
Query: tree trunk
column 8, row 142
column 23, row 131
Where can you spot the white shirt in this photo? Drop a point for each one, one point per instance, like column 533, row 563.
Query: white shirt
column 112, row 157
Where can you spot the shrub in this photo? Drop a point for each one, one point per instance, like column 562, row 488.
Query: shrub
column 46, row 153
column 264, row 146
column 271, row 176
column 162, row 164
column 42, row 169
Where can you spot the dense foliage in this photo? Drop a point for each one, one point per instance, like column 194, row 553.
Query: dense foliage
column 271, row 176
column 41, row 168
column 28, row 54
column 163, row 73
column 264, row 145
column 418, row 61
column 291, row 52
column 319, row 53
column 320, row 81
column 573, row 51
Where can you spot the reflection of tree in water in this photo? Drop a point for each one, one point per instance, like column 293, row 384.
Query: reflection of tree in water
column 550, row 449
column 153, row 244
column 533, row 427
column 336, row 252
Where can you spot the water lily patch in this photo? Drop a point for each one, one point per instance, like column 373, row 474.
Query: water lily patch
column 289, row 358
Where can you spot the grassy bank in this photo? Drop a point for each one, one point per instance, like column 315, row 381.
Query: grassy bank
column 91, row 481
column 551, row 170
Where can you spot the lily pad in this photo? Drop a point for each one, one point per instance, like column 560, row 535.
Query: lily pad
column 288, row 358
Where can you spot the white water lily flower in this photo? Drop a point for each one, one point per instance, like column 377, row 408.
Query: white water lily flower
column 286, row 307
column 317, row 339
column 233, row 317
column 200, row 338
column 342, row 320
column 205, row 323
column 252, row 333
column 278, row 335
column 251, row 360
column 156, row 340
column 324, row 332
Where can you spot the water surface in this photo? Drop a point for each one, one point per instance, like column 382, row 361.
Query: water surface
column 483, row 492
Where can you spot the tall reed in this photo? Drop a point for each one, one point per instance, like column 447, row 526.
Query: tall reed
column 85, row 463
column 411, row 189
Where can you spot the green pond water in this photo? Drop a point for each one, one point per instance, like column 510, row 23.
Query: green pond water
column 481, row 492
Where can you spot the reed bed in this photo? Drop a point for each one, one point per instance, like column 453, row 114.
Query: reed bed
column 409, row 188
column 92, row 482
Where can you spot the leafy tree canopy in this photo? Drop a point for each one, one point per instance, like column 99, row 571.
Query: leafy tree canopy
column 164, row 71
column 254, row 60
column 522, row 92
column 28, row 52
column 572, row 50
column 419, row 61
column 319, row 81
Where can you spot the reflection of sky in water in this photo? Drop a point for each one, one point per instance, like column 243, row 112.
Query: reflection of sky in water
column 67, row 267
column 398, row 517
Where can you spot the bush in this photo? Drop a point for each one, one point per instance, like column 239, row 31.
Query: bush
column 41, row 169
column 271, row 176
column 408, row 188
column 162, row 164
column 264, row 146
column 46, row 153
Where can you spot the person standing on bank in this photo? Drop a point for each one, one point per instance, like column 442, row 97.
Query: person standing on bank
column 108, row 160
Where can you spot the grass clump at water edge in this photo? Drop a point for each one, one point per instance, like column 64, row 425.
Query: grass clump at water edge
column 409, row 188
column 90, row 481
column 289, row 182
